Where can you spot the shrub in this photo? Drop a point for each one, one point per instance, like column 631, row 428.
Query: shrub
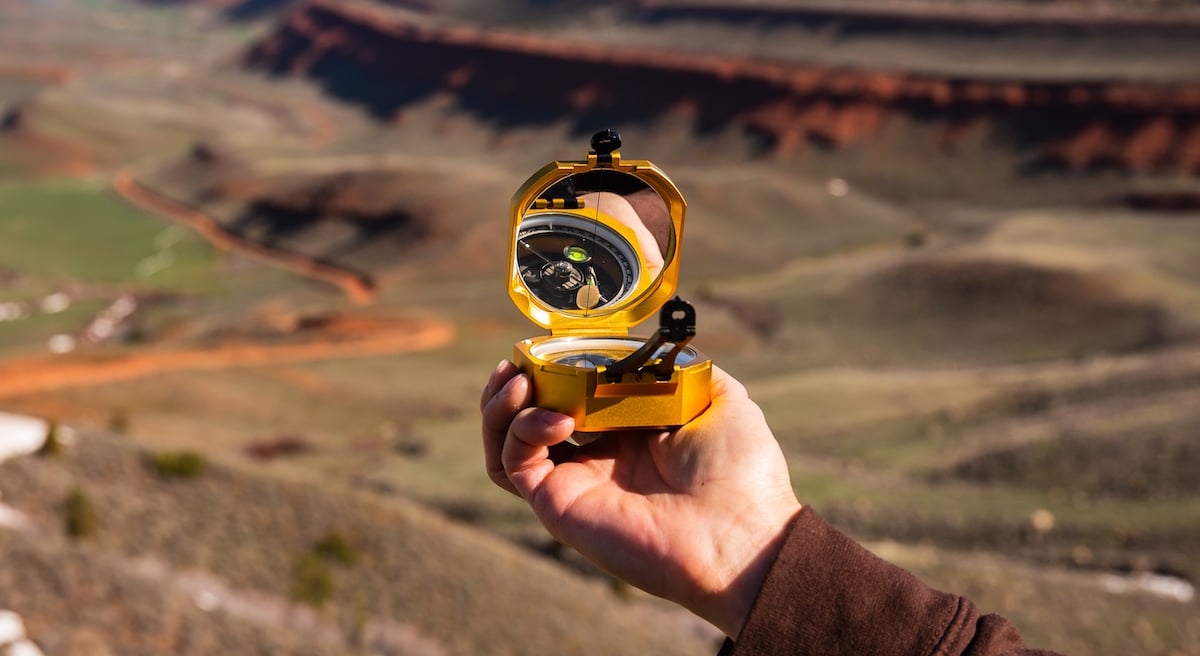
column 410, row 446
column 118, row 421
column 79, row 517
column 52, row 446
column 620, row 589
column 177, row 464
column 334, row 548
column 312, row 582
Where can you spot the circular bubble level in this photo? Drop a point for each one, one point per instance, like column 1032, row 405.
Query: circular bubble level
column 576, row 254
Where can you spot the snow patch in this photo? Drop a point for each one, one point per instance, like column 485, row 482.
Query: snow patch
column 20, row 435
column 1155, row 584
column 12, row 628
column 15, row 519
column 12, row 636
column 23, row 648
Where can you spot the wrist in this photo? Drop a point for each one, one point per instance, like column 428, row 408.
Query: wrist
column 727, row 606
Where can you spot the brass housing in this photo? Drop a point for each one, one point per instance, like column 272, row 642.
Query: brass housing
column 639, row 399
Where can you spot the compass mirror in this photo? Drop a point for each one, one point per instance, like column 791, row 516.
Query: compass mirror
column 593, row 242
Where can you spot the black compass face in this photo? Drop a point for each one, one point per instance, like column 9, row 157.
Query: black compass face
column 575, row 264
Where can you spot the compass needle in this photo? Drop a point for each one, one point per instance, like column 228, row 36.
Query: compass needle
column 531, row 250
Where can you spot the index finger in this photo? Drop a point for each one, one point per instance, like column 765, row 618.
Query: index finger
column 512, row 394
column 500, row 375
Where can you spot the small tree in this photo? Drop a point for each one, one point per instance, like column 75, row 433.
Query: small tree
column 52, row 445
column 79, row 517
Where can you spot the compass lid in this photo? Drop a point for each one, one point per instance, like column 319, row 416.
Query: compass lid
column 594, row 244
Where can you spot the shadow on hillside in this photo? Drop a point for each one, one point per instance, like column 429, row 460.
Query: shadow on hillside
column 1005, row 310
column 510, row 88
column 283, row 226
column 1128, row 466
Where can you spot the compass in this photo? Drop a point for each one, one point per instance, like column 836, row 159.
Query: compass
column 594, row 252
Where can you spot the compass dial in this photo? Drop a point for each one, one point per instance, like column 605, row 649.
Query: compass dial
column 575, row 264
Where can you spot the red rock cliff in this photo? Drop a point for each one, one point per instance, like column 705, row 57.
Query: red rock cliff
column 510, row 78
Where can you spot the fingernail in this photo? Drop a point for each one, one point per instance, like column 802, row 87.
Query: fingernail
column 551, row 419
column 511, row 381
column 496, row 372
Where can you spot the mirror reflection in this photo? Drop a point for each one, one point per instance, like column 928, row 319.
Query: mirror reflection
column 592, row 241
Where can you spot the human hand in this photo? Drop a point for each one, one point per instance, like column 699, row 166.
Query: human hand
column 695, row 515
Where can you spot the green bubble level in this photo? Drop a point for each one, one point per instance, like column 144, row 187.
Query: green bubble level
column 577, row 254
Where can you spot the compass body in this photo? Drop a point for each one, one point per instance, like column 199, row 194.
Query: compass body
column 567, row 375
column 595, row 251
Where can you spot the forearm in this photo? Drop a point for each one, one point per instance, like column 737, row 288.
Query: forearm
column 825, row 594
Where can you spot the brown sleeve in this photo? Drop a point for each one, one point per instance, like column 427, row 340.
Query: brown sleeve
column 826, row 594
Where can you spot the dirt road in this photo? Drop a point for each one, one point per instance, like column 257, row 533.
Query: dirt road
column 369, row 337
column 359, row 287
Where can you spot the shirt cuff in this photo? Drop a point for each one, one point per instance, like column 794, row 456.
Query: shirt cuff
column 826, row 594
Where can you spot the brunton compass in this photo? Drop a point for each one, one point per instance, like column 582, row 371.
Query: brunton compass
column 594, row 252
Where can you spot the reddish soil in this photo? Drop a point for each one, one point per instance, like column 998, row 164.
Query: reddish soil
column 359, row 287
column 336, row 337
column 42, row 73
column 1129, row 125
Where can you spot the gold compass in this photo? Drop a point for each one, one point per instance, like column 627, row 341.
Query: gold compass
column 594, row 252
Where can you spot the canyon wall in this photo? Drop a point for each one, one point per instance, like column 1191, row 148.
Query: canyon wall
column 386, row 64
column 1121, row 19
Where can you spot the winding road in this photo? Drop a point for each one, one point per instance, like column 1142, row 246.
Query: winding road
column 359, row 287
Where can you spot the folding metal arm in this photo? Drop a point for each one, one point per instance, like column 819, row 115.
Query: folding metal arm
column 676, row 326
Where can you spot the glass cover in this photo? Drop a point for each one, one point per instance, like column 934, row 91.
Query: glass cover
column 593, row 352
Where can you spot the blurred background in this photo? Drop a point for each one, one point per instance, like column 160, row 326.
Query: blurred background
column 252, row 281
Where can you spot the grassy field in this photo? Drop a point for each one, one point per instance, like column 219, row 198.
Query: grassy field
column 78, row 230
column 945, row 357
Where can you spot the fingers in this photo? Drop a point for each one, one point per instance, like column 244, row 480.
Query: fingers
column 526, row 453
column 500, row 375
column 516, row 438
column 505, row 395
